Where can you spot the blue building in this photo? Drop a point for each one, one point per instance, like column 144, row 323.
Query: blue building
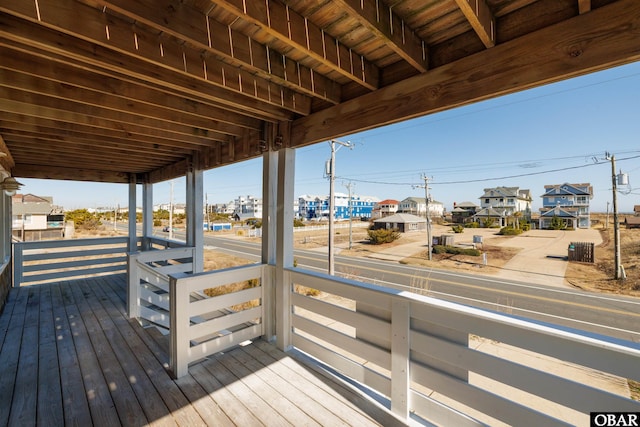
column 317, row 207
column 570, row 202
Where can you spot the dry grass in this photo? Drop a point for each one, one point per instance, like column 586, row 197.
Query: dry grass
column 599, row 276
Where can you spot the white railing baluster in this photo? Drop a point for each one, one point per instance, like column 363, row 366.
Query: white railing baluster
column 400, row 356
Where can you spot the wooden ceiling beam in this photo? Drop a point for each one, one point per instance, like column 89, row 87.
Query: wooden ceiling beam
column 49, row 171
column 294, row 30
column 117, row 137
column 128, row 101
column 55, row 107
column 380, row 20
column 603, row 38
column 87, row 145
column 193, row 26
column 481, row 19
column 155, row 50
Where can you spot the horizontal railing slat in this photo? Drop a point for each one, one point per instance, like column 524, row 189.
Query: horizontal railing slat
column 356, row 347
column 197, row 331
column 208, row 305
column 222, row 343
column 73, row 264
column 73, row 273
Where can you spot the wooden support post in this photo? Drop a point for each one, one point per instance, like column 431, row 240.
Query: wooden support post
column 133, row 238
column 284, row 246
column 133, row 286
column 269, row 238
column 147, row 215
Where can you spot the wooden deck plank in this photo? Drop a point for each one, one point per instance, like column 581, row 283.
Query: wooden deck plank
column 101, row 405
column 235, row 409
column 5, row 316
column 147, row 396
column 342, row 401
column 10, row 354
column 109, row 371
column 185, row 412
column 25, row 396
column 291, row 388
column 274, row 397
column 74, row 397
column 49, row 403
column 129, row 410
column 251, row 400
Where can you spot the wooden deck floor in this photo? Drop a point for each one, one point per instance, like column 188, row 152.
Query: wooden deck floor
column 69, row 356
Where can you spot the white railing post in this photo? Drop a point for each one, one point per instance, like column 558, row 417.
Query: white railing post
column 179, row 329
column 400, row 353
column 133, row 286
column 18, row 264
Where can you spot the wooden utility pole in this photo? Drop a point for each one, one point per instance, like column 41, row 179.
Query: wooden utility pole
column 427, row 214
column 331, row 171
column 619, row 271
column 349, row 186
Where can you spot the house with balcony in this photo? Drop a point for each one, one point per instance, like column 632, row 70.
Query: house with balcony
column 418, row 206
column 498, row 204
column 134, row 330
column 384, row 208
column 569, row 202
column 463, row 212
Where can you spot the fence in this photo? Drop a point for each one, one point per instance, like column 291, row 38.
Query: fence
column 582, row 252
column 43, row 261
column 447, row 363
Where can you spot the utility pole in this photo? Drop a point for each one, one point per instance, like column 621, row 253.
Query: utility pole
column 331, row 172
column 171, row 212
column 350, row 185
column 427, row 213
column 619, row 271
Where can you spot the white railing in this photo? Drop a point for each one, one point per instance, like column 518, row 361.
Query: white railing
column 455, row 365
column 148, row 290
column 43, row 261
column 202, row 325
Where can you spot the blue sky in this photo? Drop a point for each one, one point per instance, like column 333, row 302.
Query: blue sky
column 549, row 135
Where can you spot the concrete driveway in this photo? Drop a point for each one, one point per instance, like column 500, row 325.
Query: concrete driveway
column 541, row 261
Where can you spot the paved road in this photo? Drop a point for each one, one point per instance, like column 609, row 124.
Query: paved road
column 605, row 314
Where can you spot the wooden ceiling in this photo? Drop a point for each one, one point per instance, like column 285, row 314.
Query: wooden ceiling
column 120, row 90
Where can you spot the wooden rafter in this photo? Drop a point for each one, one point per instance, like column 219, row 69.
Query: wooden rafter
column 380, row 20
column 600, row 39
column 278, row 20
column 223, row 41
column 157, row 49
column 481, row 19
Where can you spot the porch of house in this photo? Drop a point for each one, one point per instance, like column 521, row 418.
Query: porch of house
column 69, row 355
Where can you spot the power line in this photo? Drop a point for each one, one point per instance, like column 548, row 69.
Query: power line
column 467, row 181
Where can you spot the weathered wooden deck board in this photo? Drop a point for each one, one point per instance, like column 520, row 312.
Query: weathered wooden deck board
column 70, row 356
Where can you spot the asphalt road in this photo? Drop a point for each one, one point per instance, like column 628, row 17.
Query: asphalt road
column 610, row 315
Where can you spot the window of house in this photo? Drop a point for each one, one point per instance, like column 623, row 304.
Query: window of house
column 27, row 218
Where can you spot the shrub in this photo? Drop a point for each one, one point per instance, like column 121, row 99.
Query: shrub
column 454, row 250
column 298, row 223
column 510, row 231
column 525, row 226
column 473, row 224
column 457, row 228
column 380, row 236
